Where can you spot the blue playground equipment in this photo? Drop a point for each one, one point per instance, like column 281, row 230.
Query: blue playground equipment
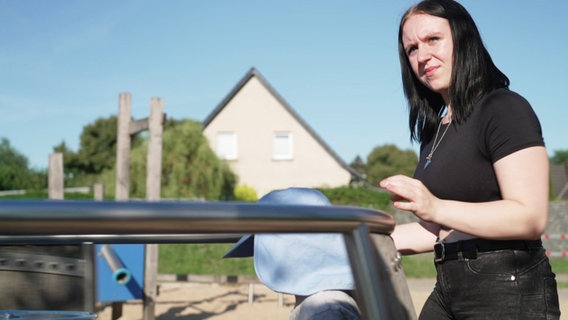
column 119, row 272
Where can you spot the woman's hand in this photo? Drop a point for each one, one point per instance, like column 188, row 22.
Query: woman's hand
column 411, row 195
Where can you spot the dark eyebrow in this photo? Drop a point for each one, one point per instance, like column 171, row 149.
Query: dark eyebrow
column 433, row 34
column 409, row 46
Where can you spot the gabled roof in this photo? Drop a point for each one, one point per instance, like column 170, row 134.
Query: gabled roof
column 254, row 73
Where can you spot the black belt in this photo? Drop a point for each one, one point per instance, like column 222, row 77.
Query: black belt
column 469, row 248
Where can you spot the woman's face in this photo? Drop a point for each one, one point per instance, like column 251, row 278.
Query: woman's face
column 427, row 41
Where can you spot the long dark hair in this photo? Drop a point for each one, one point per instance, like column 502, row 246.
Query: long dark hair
column 473, row 72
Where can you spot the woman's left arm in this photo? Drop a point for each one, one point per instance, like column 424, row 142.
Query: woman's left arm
column 523, row 178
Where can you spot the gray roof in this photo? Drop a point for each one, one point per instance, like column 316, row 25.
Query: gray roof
column 355, row 175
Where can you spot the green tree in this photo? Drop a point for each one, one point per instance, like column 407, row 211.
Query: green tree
column 97, row 150
column 71, row 165
column 389, row 160
column 13, row 167
column 14, row 171
column 190, row 169
column 559, row 157
column 359, row 165
column 96, row 154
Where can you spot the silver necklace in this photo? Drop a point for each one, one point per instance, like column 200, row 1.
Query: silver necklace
column 436, row 143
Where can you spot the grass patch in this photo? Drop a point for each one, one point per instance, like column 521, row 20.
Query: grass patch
column 419, row 266
column 201, row 259
column 422, row 266
column 43, row 195
column 207, row 259
column 559, row 265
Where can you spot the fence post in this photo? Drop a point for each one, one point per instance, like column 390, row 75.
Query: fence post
column 98, row 192
column 56, row 191
column 123, row 148
column 55, row 176
column 153, row 188
column 154, row 161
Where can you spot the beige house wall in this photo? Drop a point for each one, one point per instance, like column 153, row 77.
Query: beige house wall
column 254, row 114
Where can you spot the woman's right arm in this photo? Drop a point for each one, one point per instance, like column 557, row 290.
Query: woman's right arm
column 415, row 237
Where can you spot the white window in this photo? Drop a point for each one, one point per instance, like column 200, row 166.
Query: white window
column 226, row 145
column 282, row 146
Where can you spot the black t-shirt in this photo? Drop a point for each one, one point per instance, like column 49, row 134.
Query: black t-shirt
column 461, row 168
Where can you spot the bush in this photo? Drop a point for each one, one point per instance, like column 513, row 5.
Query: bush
column 245, row 193
column 358, row 196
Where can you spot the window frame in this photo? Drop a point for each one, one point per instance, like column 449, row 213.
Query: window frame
column 226, row 146
column 282, row 150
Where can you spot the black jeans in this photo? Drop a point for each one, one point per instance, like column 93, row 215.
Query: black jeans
column 503, row 284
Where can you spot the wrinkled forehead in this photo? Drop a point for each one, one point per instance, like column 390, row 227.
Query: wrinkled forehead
column 420, row 26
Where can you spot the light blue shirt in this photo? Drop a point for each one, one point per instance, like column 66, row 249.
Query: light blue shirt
column 298, row 264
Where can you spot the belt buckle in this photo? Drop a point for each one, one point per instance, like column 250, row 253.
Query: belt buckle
column 439, row 251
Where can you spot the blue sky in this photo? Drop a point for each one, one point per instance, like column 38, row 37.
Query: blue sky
column 64, row 63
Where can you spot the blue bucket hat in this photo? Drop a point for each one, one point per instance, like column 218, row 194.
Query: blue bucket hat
column 299, row 264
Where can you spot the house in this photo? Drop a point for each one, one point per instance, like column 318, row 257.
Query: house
column 268, row 145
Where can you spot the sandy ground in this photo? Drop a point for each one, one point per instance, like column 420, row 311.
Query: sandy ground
column 200, row 301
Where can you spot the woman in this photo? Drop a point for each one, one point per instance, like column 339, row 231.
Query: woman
column 480, row 189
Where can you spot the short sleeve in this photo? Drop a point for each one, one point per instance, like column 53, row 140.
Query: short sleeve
column 509, row 124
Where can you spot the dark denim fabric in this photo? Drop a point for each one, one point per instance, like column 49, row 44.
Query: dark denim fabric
column 327, row 305
column 504, row 284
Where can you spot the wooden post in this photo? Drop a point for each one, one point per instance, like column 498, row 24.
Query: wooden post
column 122, row 180
column 56, row 191
column 123, row 148
column 154, row 163
column 125, row 128
column 153, row 188
column 150, row 281
column 55, row 176
column 98, row 192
